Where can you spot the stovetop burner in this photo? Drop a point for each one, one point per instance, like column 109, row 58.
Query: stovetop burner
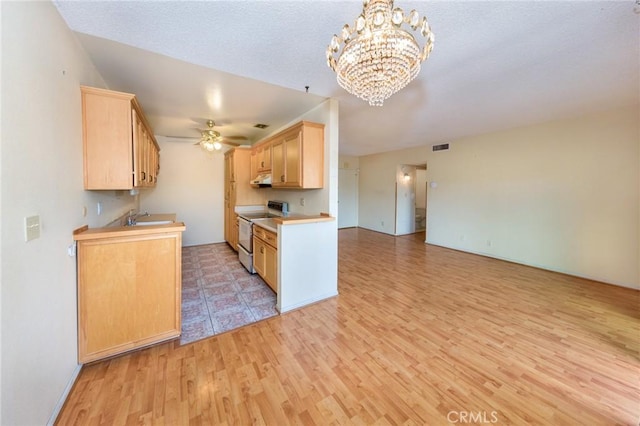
column 276, row 209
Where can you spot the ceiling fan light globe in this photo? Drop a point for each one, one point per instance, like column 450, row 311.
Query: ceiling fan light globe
column 206, row 145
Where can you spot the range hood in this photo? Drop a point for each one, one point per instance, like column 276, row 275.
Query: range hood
column 262, row 180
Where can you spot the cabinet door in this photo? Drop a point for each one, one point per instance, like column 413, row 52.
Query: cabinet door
column 292, row 155
column 277, row 163
column 271, row 267
column 286, row 161
column 229, row 180
column 253, row 164
column 107, row 141
column 153, row 164
column 232, row 167
column 144, row 166
column 230, row 225
column 259, row 256
column 145, row 153
column 265, row 158
column 128, row 294
column 227, row 218
column 148, row 159
column 234, row 230
column 138, row 143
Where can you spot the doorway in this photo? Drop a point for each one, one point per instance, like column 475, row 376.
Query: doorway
column 347, row 198
column 411, row 199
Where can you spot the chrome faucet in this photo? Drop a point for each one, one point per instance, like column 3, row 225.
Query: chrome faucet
column 131, row 218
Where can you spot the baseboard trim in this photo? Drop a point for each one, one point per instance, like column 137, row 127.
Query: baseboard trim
column 63, row 398
column 599, row 280
column 310, row 301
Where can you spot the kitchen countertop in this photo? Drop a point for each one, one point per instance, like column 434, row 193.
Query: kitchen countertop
column 297, row 219
column 271, row 224
column 267, row 223
column 86, row 233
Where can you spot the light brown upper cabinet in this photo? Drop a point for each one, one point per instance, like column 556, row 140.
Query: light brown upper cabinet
column 297, row 157
column 260, row 159
column 263, row 158
column 119, row 149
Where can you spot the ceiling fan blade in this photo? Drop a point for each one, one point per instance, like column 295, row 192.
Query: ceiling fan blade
column 179, row 137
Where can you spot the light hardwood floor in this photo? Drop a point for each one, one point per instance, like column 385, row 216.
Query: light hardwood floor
column 418, row 335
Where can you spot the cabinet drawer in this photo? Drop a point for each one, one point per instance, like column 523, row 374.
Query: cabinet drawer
column 266, row 236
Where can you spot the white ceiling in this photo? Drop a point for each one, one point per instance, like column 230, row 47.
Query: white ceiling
column 496, row 65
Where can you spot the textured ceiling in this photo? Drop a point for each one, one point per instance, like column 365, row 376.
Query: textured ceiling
column 496, row 65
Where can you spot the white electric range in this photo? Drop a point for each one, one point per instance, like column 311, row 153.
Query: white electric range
column 245, row 229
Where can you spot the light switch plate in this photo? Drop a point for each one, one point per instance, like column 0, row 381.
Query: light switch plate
column 31, row 228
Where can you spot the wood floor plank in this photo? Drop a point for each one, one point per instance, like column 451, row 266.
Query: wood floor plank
column 418, row 335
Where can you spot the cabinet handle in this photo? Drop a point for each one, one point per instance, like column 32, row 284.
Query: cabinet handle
column 262, row 164
column 144, row 176
column 262, row 250
column 282, row 178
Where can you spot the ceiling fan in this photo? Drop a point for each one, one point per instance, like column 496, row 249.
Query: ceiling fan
column 212, row 140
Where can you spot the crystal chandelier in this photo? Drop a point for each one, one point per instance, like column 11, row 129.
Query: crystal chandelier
column 379, row 57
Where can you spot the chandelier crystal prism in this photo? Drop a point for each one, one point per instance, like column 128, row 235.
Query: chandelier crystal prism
column 379, row 57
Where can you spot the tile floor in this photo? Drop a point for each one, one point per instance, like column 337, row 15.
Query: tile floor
column 218, row 294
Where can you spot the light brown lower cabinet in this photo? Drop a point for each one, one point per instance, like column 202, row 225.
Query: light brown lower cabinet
column 265, row 256
column 129, row 292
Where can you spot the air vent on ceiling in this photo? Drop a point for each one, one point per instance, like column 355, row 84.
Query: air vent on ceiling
column 261, row 126
column 441, row 147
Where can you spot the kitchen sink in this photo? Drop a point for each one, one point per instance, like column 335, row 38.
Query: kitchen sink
column 152, row 222
column 147, row 219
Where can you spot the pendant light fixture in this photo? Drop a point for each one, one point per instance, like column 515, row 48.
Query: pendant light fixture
column 379, row 55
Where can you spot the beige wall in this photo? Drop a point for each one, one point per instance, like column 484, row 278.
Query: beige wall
column 191, row 184
column 562, row 195
column 42, row 68
column 348, row 162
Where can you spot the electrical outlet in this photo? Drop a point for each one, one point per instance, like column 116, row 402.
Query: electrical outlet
column 99, row 208
column 302, row 201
